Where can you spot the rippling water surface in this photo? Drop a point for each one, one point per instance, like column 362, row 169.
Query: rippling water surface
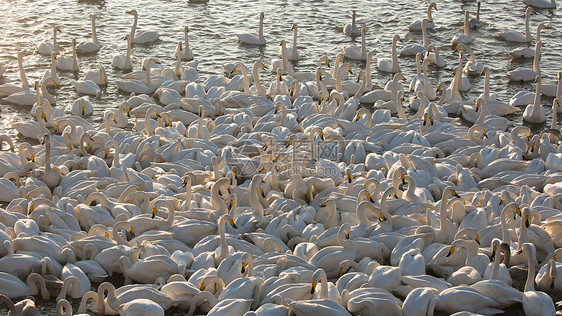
column 212, row 38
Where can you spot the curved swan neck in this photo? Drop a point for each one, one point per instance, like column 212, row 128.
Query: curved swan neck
column 363, row 46
column 429, row 17
column 343, row 67
column 246, row 79
column 260, row 33
column 393, row 51
column 487, row 86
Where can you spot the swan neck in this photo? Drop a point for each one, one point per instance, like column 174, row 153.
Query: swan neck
column 294, row 52
column 148, row 79
column 116, row 236
column 554, row 123
column 466, row 26
column 74, row 58
column 393, row 52
column 246, row 79
column 257, row 82
column 486, row 87
column 527, row 35
column 536, row 59
column 425, row 40
column 134, row 28
column 55, row 46
column 254, row 199
column 537, row 101
column 94, row 35
column 23, row 77
column 530, row 283
column 363, row 46
column 116, row 160
column 362, row 88
column 429, row 17
column 261, row 28
column 128, row 55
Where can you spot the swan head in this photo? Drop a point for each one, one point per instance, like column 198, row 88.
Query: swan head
column 262, row 15
column 537, row 79
column 434, row 6
column 485, row 70
column 132, row 12
column 185, row 29
column 57, row 29
column 397, row 38
column 294, row 26
column 22, row 54
column 363, row 31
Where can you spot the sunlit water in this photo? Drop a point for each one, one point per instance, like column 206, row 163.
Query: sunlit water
column 213, row 26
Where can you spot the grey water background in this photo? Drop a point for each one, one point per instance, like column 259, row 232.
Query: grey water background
column 213, row 25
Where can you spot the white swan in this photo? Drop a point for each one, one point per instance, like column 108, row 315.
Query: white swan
column 472, row 66
column 292, row 53
column 124, row 61
column 186, row 53
column 391, row 64
column 98, row 76
column 414, row 49
column 351, row 29
column 526, row 74
column 81, row 107
column 465, row 37
column 541, row 4
column 357, row 53
column 416, row 25
column 46, row 48
column 7, row 89
column 475, row 22
column 534, row 302
column 137, row 86
column 514, row 36
column 67, row 63
column 535, row 113
column 87, row 87
column 528, row 52
column 253, row 38
column 141, row 37
column 134, row 307
column 89, row 46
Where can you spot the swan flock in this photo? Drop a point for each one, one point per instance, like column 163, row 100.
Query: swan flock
column 314, row 190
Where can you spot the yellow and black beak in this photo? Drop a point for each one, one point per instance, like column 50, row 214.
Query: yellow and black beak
column 132, row 231
column 313, row 287
column 527, row 223
column 243, row 267
column 231, row 222
column 450, row 252
column 202, row 286
column 349, row 180
column 382, row 218
column 455, row 194
column 494, row 249
column 154, row 210
column 340, row 272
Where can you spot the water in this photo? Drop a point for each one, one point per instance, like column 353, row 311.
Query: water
column 213, row 26
column 212, row 38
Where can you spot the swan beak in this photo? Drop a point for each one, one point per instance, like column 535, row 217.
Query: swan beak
column 477, row 238
column 313, row 287
column 106, row 153
column 351, row 72
column 358, row 77
column 321, row 135
column 262, row 192
column 382, row 218
column 31, row 208
column 477, row 106
column 517, row 211
column 399, row 39
column 243, row 267
column 232, row 71
column 450, row 252
column 132, row 231
column 184, row 182
column 276, row 109
column 484, row 71
column 231, row 222
column 455, row 194
column 349, row 177
column 431, row 120
column 57, row 128
column 527, row 224
column 485, row 134
column 327, row 62
column 340, row 272
column 230, row 204
column 554, row 257
column 324, row 204
column 403, row 178
column 520, row 251
column 552, row 283
column 202, row 287
column 346, row 235
column 494, row 249
column 154, row 210
column 128, row 111
column 369, row 197
column 106, row 235
column 501, row 201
